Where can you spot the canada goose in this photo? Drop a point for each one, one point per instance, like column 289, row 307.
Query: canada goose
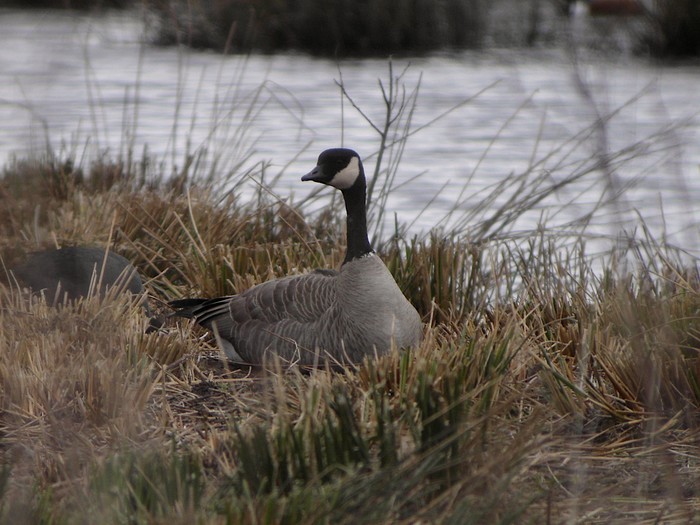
column 71, row 273
column 322, row 316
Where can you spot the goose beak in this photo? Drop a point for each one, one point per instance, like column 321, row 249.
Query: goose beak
column 312, row 175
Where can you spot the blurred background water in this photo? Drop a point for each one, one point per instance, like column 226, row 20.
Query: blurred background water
column 88, row 85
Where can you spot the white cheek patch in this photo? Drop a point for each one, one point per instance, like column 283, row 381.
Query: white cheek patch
column 346, row 177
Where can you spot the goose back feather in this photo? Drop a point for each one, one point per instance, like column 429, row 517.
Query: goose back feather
column 70, row 272
column 74, row 272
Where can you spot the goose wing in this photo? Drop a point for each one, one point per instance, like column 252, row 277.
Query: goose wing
column 280, row 315
column 301, row 298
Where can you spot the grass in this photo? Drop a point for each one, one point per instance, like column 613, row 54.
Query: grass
column 578, row 397
column 547, row 389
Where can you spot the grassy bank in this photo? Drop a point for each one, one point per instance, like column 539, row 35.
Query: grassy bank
column 570, row 396
column 545, row 390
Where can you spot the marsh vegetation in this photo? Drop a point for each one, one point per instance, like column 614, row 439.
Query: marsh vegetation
column 551, row 385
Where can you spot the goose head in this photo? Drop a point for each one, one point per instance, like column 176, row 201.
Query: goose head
column 342, row 169
column 338, row 167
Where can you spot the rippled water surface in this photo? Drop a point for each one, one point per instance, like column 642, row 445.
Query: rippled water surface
column 88, row 85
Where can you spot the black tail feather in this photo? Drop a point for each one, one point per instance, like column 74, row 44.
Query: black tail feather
column 186, row 307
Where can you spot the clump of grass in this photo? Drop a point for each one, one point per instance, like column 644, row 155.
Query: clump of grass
column 71, row 375
column 143, row 485
column 370, row 443
column 439, row 276
column 37, row 192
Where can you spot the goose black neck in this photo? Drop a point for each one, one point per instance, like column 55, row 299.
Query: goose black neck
column 355, row 205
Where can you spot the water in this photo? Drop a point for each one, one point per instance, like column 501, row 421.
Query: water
column 88, row 86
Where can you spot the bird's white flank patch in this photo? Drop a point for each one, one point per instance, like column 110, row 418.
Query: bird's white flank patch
column 227, row 347
column 346, row 177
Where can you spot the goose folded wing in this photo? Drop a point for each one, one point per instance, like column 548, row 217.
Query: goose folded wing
column 285, row 315
column 300, row 298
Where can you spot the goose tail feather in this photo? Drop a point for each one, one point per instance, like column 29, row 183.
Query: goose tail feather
column 186, row 307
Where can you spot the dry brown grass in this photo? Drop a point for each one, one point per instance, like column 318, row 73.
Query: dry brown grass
column 565, row 398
